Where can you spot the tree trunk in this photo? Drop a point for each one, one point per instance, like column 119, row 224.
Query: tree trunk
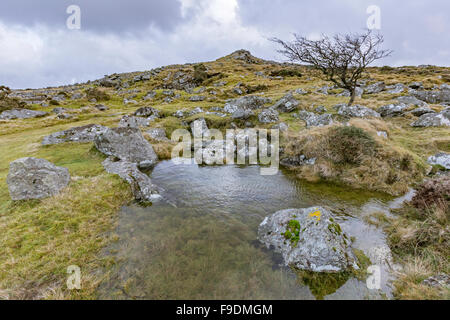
column 352, row 96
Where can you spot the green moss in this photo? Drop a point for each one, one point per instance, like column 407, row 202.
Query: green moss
column 293, row 232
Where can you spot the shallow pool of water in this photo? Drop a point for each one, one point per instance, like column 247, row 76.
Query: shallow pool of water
column 200, row 242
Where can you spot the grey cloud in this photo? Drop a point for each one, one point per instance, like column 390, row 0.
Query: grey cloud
column 97, row 15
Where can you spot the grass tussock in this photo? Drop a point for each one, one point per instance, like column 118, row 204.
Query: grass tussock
column 356, row 157
column 420, row 240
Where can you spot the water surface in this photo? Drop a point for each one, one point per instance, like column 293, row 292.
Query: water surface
column 200, row 242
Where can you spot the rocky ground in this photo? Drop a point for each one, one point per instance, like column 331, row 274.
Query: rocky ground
column 396, row 135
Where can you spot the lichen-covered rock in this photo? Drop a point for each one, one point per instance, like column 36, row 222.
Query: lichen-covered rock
column 127, row 144
column 286, row 104
column 141, row 184
column 434, row 119
column 269, row 115
column 135, row 122
column 315, row 120
column 437, row 96
column 157, row 134
column 410, row 100
column 442, row 159
column 78, row 134
column 392, row 110
column 357, row 111
column 375, row 88
column 418, row 112
column 31, row 178
column 21, row 114
column 247, row 102
column 308, row 239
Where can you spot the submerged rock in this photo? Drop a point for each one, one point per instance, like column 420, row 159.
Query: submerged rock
column 21, row 114
column 141, row 184
column 308, row 239
column 31, row 178
column 78, row 134
column 127, row 144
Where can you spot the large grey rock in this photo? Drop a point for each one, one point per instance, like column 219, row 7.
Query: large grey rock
column 242, row 114
column 78, row 134
column 158, row 134
column 141, row 185
column 286, row 104
column 315, row 120
column 321, row 245
column 442, row 159
column 434, row 97
column 410, row 100
column 135, row 122
column 21, row 114
column 397, row 88
column 392, row 110
column 421, row 111
column 434, row 119
column 269, row 115
column 197, row 98
column 127, row 144
column 31, row 178
column 357, row 111
column 375, row 88
column 247, row 102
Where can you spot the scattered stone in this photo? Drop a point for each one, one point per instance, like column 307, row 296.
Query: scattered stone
column 242, row 114
column 375, row 88
column 141, row 184
column 101, row 107
column 314, row 120
column 146, row 112
column 286, row 104
column 21, row 114
column 416, row 85
column 357, row 111
column 434, row 97
column 158, row 134
column 438, row 281
column 392, row 110
column 382, row 134
column 149, row 96
column 134, row 122
column 434, row 119
column 199, row 127
column 127, row 101
column 442, row 159
column 301, row 91
column 247, row 102
column 283, row 127
column 396, row 89
column 64, row 116
column 59, row 110
column 31, row 178
column 297, row 161
column 421, row 111
column 320, row 109
column 308, row 239
column 82, row 134
column 127, row 144
column 410, row 100
column 269, row 115
column 197, row 98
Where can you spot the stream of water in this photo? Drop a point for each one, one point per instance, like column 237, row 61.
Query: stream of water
column 200, row 242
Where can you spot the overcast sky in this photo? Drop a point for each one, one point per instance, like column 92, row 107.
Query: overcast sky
column 37, row 49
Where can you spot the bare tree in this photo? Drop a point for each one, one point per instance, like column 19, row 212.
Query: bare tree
column 341, row 58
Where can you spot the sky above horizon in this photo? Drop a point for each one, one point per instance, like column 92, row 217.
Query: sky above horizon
column 37, row 49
